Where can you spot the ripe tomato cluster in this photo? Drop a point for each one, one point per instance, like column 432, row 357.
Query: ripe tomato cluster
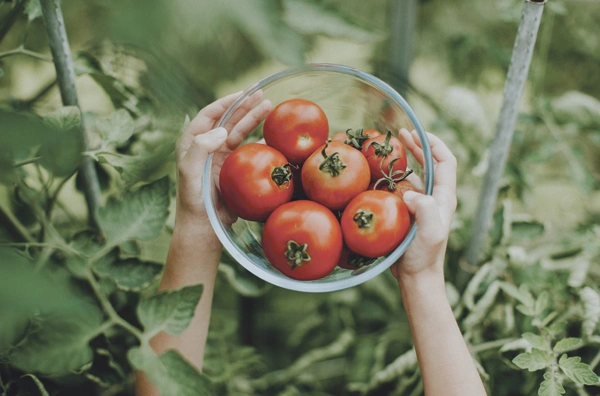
column 325, row 202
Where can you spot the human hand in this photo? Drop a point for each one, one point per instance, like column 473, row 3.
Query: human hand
column 433, row 213
column 201, row 139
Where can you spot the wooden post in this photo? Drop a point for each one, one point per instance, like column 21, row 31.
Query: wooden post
column 515, row 82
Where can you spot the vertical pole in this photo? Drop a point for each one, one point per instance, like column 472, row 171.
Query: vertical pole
column 515, row 82
column 65, row 75
column 403, row 21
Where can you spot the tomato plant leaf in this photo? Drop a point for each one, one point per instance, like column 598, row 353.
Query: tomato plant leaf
column 146, row 360
column 130, row 274
column 141, row 214
column 551, row 386
column 61, row 151
column 190, row 381
column 171, row 311
column 33, row 9
column 240, row 279
column 578, row 372
column 311, row 18
column 536, row 341
column 567, row 344
column 578, row 108
column 117, row 128
column 533, row 361
column 60, row 345
column 591, row 310
column 139, row 167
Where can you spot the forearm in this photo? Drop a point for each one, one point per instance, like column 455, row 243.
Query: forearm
column 193, row 258
column 446, row 364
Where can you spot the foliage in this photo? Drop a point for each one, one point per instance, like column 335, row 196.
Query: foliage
column 78, row 308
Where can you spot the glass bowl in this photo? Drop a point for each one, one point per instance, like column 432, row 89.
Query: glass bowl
column 350, row 98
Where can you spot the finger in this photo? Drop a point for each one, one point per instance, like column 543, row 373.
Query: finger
column 201, row 146
column 204, row 121
column 211, row 114
column 409, row 142
column 248, row 123
column 444, row 188
column 246, row 106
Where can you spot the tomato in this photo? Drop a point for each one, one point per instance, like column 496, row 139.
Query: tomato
column 395, row 182
column 254, row 180
column 334, row 174
column 303, row 240
column 296, row 128
column 380, row 151
column 355, row 138
column 374, row 223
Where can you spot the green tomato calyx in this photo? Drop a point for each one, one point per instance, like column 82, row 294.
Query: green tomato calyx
column 281, row 174
column 331, row 163
column 363, row 219
column 382, row 150
column 296, row 254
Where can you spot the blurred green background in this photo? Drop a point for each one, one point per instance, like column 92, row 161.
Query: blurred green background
column 144, row 65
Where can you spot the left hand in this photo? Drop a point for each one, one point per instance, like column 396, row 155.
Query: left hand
column 201, row 139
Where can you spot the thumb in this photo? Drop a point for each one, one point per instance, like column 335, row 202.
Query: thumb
column 425, row 210
column 203, row 145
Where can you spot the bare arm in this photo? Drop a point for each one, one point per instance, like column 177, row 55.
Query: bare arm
column 446, row 364
column 195, row 250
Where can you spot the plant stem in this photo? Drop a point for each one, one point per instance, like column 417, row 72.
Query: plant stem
column 16, row 223
column 16, row 12
column 65, row 75
column 109, row 309
column 22, row 51
column 515, row 82
column 491, row 345
column 26, row 162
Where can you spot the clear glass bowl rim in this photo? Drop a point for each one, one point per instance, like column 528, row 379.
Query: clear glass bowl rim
column 317, row 285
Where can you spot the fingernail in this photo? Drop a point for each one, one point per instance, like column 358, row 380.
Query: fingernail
column 219, row 133
column 409, row 195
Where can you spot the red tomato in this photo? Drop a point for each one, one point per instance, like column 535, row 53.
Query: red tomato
column 303, row 240
column 254, row 180
column 374, row 223
column 380, row 151
column 334, row 174
column 355, row 138
column 296, row 128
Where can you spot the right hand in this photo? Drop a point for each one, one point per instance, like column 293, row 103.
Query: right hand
column 433, row 213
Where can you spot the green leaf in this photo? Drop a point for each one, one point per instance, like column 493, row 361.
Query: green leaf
column 117, row 128
column 130, row 274
column 591, row 310
column 240, row 279
column 522, row 230
column 33, row 9
column 170, row 311
column 60, row 345
column 578, row 372
column 260, row 21
column 141, row 214
column 140, row 167
column 534, row 360
column 145, row 359
column 551, row 386
column 578, row 108
column 536, row 341
column 190, row 381
column 311, row 18
column 61, row 152
column 567, row 344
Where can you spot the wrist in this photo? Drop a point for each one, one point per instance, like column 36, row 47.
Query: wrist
column 423, row 284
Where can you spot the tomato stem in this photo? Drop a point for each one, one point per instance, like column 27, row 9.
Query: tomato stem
column 331, row 163
column 296, row 254
column 382, row 150
column 392, row 177
column 356, row 138
column 281, row 174
column 363, row 219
